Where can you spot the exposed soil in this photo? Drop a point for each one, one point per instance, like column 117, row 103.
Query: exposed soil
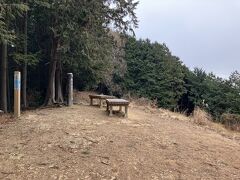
column 6, row 119
column 82, row 142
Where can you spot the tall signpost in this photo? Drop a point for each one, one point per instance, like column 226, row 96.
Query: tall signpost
column 17, row 93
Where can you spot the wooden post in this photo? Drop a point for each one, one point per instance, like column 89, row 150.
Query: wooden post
column 91, row 101
column 120, row 108
column 126, row 111
column 70, row 89
column 111, row 110
column 17, row 93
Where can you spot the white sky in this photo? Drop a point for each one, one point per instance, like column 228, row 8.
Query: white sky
column 203, row 33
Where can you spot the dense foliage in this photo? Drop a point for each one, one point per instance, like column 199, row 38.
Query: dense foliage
column 45, row 39
column 153, row 72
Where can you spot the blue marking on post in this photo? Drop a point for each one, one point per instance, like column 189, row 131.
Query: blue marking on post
column 17, row 84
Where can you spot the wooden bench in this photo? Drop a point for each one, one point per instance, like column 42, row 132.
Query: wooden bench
column 117, row 102
column 101, row 97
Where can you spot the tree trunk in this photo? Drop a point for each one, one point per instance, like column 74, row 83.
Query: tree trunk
column 8, row 92
column 3, row 103
column 50, row 96
column 24, row 86
column 59, row 94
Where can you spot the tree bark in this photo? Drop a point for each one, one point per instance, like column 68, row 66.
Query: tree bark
column 24, row 87
column 50, row 96
column 59, row 94
column 3, row 103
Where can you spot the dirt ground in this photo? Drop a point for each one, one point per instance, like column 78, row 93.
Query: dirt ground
column 82, row 142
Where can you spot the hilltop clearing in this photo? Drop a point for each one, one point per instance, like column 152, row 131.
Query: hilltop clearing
column 81, row 142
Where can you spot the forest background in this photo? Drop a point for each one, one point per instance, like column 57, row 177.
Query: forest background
column 94, row 39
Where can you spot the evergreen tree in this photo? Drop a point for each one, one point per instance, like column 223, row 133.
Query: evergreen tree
column 153, row 72
column 9, row 10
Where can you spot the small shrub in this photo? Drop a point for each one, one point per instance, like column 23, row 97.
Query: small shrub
column 201, row 117
column 231, row 121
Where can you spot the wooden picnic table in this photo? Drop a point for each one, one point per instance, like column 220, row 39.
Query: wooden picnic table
column 101, row 97
column 117, row 102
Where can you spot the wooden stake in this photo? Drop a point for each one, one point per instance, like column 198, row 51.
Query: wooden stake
column 70, row 89
column 17, row 93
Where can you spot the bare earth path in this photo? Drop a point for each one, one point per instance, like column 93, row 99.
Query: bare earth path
column 81, row 142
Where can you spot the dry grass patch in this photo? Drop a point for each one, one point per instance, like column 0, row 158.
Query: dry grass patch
column 82, row 97
column 231, row 121
column 201, row 117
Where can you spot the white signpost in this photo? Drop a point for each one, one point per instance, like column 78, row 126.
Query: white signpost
column 17, row 93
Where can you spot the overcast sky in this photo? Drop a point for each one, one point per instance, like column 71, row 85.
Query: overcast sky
column 203, row 33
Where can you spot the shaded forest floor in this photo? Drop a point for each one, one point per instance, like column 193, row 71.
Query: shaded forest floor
column 82, row 142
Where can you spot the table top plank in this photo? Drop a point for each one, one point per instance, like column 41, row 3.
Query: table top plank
column 102, row 96
column 117, row 102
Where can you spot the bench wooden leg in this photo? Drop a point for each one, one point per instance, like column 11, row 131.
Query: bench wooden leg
column 107, row 107
column 91, row 101
column 100, row 103
column 111, row 110
column 126, row 111
column 120, row 108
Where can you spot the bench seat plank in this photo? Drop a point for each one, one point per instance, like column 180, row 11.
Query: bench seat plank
column 101, row 97
column 117, row 102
